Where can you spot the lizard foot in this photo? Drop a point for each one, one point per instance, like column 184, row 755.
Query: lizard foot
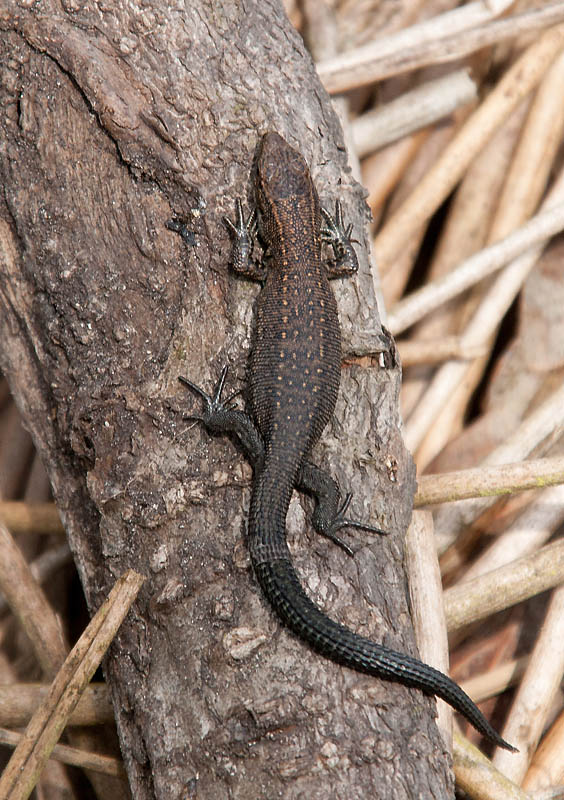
column 244, row 232
column 335, row 234
column 222, row 416
column 341, row 521
column 215, row 409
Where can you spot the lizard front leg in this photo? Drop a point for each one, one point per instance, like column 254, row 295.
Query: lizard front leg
column 338, row 237
column 243, row 233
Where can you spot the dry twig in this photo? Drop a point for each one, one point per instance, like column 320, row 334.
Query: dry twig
column 477, row 776
column 469, row 601
column 496, row 680
column 536, row 692
column 107, row 765
column 411, row 111
column 489, row 481
column 515, row 85
column 19, row 701
column 48, row 722
column 426, row 601
column 31, row 517
column 414, row 307
column 448, row 37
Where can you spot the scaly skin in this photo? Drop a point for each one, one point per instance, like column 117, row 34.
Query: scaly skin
column 294, row 379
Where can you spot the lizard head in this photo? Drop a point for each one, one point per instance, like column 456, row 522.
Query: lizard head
column 283, row 179
column 281, row 172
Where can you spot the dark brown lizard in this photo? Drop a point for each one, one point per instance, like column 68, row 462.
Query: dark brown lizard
column 294, row 377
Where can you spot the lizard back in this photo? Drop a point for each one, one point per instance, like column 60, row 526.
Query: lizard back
column 295, row 363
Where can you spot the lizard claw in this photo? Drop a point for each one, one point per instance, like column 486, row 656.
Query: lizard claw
column 243, row 232
column 345, row 522
column 214, row 406
column 334, row 229
column 335, row 234
column 341, row 521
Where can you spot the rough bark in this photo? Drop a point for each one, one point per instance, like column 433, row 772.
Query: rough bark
column 115, row 119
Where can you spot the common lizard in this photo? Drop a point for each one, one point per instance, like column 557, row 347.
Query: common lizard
column 293, row 381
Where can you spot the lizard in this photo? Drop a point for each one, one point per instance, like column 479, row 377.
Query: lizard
column 293, row 382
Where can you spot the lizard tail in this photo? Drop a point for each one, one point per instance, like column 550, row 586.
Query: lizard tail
column 282, row 587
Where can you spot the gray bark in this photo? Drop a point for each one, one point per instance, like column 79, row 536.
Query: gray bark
column 115, row 119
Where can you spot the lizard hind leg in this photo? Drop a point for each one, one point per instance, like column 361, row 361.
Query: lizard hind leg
column 216, row 412
column 222, row 416
column 329, row 515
